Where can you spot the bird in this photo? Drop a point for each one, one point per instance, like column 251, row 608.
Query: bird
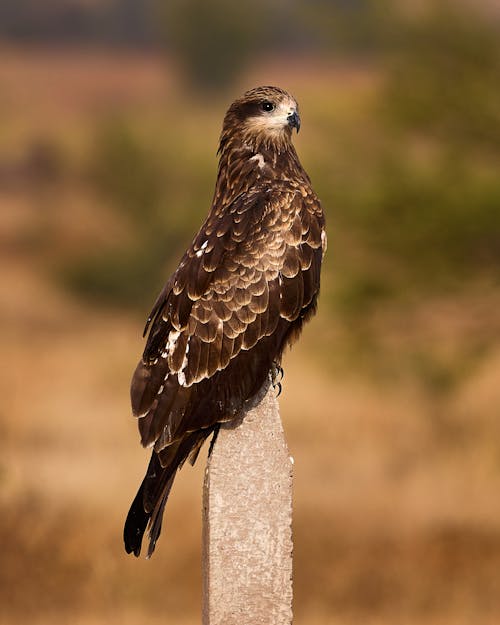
column 240, row 295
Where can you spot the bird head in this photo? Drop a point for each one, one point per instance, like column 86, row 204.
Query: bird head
column 264, row 115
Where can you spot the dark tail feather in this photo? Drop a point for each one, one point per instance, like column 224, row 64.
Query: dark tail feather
column 157, row 517
column 146, row 511
column 141, row 514
column 136, row 523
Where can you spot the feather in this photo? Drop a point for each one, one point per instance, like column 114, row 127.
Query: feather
column 293, row 235
column 212, row 260
column 259, row 303
column 203, row 364
column 214, row 354
column 193, row 363
column 310, row 290
column 169, row 433
column 206, row 331
column 245, row 315
column 259, row 285
column 201, row 311
column 306, row 256
column 314, row 234
column 178, row 352
column 291, row 265
column 292, row 297
column 252, row 333
column 146, row 381
column 155, row 421
column 222, row 311
column 242, row 297
column 234, row 325
column 180, row 308
column 227, row 350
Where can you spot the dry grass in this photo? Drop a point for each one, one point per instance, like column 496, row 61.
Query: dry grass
column 396, row 506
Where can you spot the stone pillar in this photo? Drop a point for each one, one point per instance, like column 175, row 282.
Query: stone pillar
column 247, row 514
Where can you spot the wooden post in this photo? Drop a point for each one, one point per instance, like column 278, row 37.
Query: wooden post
column 247, row 514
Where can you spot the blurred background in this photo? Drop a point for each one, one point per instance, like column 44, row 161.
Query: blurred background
column 110, row 113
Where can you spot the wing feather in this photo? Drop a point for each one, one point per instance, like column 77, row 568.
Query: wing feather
column 170, row 432
column 242, row 298
column 225, row 316
column 234, row 327
column 227, row 348
column 146, row 381
column 214, row 353
column 203, row 364
column 291, row 266
column 306, row 256
column 158, row 419
column 179, row 310
column 178, row 352
column 292, row 296
column 201, row 311
column 222, row 310
column 193, row 363
column 252, row 333
column 259, row 303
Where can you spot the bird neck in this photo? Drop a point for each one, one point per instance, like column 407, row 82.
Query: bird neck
column 245, row 164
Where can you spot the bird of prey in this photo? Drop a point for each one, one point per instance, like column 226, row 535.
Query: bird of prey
column 240, row 295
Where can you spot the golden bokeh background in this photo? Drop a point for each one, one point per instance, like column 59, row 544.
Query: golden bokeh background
column 109, row 120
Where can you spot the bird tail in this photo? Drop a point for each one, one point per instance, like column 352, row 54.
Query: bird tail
column 146, row 511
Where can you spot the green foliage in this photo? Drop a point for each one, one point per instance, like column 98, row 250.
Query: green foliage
column 422, row 198
column 440, row 374
column 438, row 226
column 128, row 173
column 444, row 79
column 355, row 27
column 214, row 41
column 360, row 293
column 136, row 179
column 120, row 276
column 441, row 217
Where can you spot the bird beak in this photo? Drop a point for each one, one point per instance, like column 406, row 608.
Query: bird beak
column 294, row 120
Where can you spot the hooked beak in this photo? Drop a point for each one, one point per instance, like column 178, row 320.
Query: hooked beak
column 294, row 120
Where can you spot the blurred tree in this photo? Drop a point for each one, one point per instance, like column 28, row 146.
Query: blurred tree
column 360, row 27
column 444, row 78
column 432, row 204
column 214, row 41
column 128, row 172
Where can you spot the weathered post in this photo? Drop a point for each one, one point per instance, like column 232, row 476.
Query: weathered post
column 247, row 513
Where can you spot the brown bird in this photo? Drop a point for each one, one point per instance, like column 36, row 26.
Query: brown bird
column 240, row 295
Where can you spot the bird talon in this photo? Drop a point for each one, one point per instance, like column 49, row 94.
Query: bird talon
column 276, row 374
column 279, row 387
column 277, row 377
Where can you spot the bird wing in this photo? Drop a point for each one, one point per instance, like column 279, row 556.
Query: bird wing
column 250, row 274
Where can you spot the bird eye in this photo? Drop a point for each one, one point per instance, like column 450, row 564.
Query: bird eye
column 267, row 106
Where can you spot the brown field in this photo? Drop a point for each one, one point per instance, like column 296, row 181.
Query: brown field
column 397, row 513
